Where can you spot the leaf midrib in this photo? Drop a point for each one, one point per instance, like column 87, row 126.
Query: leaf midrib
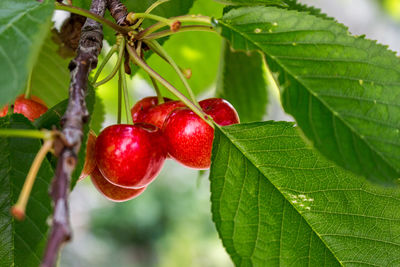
column 232, row 139
column 312, row 94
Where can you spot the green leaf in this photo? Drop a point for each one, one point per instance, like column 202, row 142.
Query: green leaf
column 98, row 115
column 53, row 117
column 23, row 28
column 242, row 82
column 342, row 90
column 50, row 75
column 253, row 2
column 198, row 51
column 277, row 202
column 22, row 243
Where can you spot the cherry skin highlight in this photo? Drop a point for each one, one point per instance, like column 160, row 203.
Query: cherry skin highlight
column 189, row 138
column 90, row 161
column 31, row 108
column 130, row 156
column 113, row 192
column 222, row 112
column 156, row 115
column 142, row 106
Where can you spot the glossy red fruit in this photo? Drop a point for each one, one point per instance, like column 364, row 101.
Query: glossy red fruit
column 142, row 106
column 90, row 162
column 222, row 112
column 113, row 192
column 156, row 115
column 31, row 108
column 130, row 156
column 189, row 138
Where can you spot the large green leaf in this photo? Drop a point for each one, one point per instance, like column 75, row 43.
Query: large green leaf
column 253, row 2
column 277, row 202
column 50, row 75
column 242, row 82
column 342, row 90
column 22, row 243
column 199, row 51
column 23, row 28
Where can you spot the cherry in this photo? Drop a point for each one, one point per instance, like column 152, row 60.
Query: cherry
column 113, row 192
column 130, row 156
column 142, row 106
column 31, row 108
column 189, row 138
column 222, row 112
column 90, row 162
column 156, row 115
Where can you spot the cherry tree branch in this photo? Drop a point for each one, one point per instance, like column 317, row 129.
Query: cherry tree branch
column 118, row 12
column 75, row 117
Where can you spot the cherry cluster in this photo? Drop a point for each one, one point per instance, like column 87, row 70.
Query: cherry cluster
column 125, row 159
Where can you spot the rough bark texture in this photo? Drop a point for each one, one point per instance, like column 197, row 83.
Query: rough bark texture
column 73, row 120
column 118, row 12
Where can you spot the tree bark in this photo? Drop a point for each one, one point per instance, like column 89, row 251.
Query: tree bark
column 75, row 117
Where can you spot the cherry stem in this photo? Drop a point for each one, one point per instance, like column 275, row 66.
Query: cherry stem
column 186, row 18
column 42, row 134
column 148, row 10
column 160, row 98
column 119, row 100
column 160, row 50
column 107, row 58
column 28, row 86
column 122, row 78
column 137, row 60
column 117, row 65
column 18, row 210
column 95, row 17
column 188, row 28
column 134, row 16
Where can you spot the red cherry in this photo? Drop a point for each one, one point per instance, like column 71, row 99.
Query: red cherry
column 31, row 108
column 113, row 192
column 156, row 115
column 90, row 162
column 222, row 112
column 130, row 156
column 189, row 138
column 143, row 106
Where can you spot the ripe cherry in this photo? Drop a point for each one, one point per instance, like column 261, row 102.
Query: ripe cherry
column 142, row 106
column 90, row 162
column 189, row 138
column 31, row 108
column 222, row 112
column 130, row 156
column 113, row 192
column 156, row 115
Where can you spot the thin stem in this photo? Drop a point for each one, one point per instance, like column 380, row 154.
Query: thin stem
column 29, row 86
column 110, row 53
column 116, row 67
column 160, row 98
column 135, row 16
column 186, row 18
column 136, row 59
column 126, row 94
column 188, row 28
column 157, row 47
column 148, row 10
column 119, row 99
column 18, row 210
column 95, row 17
column 43, row 134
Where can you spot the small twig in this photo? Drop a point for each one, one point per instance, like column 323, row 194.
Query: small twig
column 73, row 120
column 118, row 12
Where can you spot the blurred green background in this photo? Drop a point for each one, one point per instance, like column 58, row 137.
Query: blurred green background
column 170, row 223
